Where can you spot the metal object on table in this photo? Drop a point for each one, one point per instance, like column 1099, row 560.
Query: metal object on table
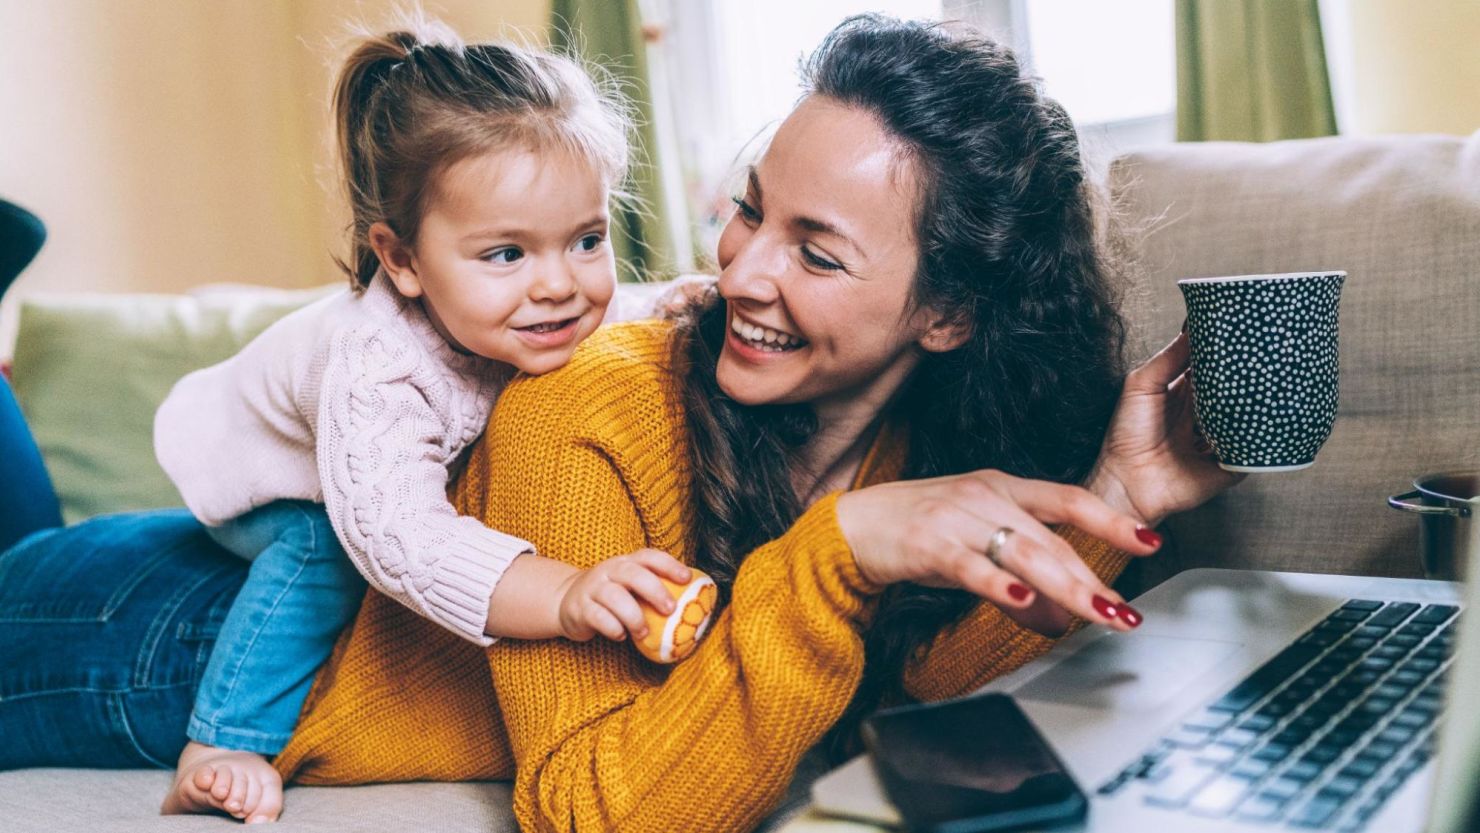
column 1447, row 504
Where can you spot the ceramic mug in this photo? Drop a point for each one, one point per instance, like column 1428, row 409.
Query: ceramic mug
column 1264, row 366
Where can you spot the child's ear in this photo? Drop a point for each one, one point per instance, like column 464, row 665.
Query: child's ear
column 944, row 333
column 396, row 258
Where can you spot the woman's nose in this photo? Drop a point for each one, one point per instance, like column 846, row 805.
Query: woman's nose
column 753, row 273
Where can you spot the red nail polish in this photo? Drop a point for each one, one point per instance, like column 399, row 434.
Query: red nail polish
column 1104, row 607
column 1148, row 537
column 1017, row 591
column 1131, row 616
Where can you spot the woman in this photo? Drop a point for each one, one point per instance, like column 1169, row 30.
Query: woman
column 911, row 289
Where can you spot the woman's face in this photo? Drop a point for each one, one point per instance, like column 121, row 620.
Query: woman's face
column 818, row 263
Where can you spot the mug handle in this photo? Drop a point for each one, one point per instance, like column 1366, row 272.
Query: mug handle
column 1400, row 503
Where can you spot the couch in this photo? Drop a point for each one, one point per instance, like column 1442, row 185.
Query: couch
column 1400, row 214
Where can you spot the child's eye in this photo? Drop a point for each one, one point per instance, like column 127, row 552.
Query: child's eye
column 505, row 255
column 747, row 212
column 589, row 243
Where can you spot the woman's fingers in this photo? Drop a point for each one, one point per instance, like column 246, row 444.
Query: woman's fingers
column 1061, row 504
column 1052, row 573
column 1157, row 372
column 1024, row 575
column 1036, row 555
column 983, row 578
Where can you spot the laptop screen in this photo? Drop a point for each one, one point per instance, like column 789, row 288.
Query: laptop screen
column 1455, row 804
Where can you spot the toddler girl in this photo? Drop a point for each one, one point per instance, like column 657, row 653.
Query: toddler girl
column 479, row 178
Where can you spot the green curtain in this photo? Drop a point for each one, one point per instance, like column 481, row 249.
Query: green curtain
column 609, row 32
column 1251, row 70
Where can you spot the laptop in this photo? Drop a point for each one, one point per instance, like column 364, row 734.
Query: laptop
column 1257, row 701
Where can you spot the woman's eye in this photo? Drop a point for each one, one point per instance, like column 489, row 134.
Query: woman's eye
column 506, row 255
column 816, row 261
column 747, row 212
column 589, row 243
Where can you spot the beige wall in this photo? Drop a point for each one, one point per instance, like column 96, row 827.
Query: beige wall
column 1413, row 67
column 168, row 143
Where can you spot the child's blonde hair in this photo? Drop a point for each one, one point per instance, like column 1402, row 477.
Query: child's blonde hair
column 409, row 104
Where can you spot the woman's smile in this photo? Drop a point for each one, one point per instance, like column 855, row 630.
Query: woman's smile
column 757, row 342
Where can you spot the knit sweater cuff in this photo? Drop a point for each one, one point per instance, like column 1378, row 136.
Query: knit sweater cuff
column 467, row 571
column 836, row 570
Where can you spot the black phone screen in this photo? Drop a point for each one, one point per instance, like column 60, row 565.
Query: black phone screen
column 971, row 765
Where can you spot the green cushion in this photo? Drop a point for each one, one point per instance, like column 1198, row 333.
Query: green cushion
column 90, row 370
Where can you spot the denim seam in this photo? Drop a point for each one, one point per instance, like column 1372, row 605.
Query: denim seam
column 159, row 627
column 235, row 674
column 115, row 601
column 128, row 730
column 110, row 606
column 86, row 689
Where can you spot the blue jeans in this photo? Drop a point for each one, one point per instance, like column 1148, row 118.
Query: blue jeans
column 105, row 630
column 302, row 591
column 27, row 500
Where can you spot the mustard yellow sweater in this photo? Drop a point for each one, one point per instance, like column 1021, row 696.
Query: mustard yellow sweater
column 589, row 462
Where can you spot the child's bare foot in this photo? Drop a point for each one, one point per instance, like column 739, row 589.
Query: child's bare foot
column 241, row 784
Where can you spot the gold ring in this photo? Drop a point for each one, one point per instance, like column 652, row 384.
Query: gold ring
column 994, row 546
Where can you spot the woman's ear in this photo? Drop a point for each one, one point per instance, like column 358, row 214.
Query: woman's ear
column 944, row 333
column 396, row 258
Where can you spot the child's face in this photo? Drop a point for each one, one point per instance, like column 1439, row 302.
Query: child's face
column 512, row 259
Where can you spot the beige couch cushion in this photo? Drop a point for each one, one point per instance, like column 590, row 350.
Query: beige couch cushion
column 89, row 800
column 1402, row 216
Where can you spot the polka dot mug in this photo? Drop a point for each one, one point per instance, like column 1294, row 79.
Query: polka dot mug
column 1264, row 366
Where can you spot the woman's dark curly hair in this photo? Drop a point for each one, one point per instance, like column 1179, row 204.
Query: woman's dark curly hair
column 1005, row 224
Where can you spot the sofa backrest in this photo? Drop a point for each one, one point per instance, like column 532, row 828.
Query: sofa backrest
column 1401, row 215
column 91, row 369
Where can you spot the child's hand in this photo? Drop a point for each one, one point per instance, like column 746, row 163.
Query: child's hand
column 603, row 599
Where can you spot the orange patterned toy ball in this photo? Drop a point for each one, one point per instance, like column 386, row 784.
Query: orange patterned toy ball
column 671, row 638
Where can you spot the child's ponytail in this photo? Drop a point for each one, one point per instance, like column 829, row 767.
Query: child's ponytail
column 361, row 79
column 409, row 104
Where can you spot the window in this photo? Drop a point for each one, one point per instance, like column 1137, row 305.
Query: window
column 729, row 72
column 1112, row 65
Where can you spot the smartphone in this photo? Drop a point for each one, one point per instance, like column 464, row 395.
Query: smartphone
column 971, row 765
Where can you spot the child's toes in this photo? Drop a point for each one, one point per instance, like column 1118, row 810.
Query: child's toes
column 237, row 799
column 203, row 778
column 254, row 795
column 221, row 788
column 270, row 805
column 191, row 792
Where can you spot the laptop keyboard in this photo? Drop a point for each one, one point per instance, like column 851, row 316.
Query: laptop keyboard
column 1318, row 737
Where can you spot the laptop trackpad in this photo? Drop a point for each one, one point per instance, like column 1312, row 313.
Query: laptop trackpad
column 1135, row 672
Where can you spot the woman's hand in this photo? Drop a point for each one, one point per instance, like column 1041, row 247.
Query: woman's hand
column 939, row 533
column 1154, row 462
column 604, row 599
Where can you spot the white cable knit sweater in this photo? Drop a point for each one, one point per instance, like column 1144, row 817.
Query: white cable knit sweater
column 356, row 402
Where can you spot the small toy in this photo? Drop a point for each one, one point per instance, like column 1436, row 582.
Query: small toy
column 671, row 638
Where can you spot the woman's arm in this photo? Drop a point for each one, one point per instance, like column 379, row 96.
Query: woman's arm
column 603, row 739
